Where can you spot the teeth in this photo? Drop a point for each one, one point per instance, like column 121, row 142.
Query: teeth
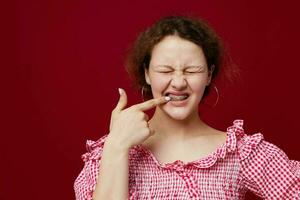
column 177, row 98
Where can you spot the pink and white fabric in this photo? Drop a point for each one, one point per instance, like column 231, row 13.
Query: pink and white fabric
column 244, row 162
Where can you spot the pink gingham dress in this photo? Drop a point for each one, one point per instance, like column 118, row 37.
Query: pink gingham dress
column 244, row 162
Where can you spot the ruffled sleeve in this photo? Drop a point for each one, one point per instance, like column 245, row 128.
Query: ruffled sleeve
column 267, row 171
column 85, row 183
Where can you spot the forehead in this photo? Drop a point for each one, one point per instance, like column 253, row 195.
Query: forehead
column 176, row 49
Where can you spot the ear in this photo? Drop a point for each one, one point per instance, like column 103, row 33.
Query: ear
column 210, row 72
column 147, row 78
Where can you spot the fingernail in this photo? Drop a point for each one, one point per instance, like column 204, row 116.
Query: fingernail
column 167, row 98
column 120, row 91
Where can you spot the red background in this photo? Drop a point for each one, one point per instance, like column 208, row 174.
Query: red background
column 65, row 63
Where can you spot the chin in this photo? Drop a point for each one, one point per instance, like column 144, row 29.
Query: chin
column 177, row 113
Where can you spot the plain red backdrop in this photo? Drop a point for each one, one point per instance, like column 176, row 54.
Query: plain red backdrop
column 66, row 62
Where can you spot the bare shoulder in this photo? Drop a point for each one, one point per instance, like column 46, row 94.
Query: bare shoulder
column 216, row 136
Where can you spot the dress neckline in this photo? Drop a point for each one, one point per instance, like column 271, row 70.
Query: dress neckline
column 233, row 132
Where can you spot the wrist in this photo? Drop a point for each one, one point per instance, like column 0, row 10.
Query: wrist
column 114, row 143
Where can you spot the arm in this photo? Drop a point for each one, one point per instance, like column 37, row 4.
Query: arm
column 270, row 174
column 113, row 173
column 128, row 127
column 88, row 184
column 105, row 173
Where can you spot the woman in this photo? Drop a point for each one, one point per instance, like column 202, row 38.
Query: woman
column 175, row 155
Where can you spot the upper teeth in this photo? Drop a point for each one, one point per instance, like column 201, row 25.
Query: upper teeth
column 177, row 97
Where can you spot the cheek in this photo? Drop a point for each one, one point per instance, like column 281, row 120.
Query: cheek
column 198, row 85
column 158, row 85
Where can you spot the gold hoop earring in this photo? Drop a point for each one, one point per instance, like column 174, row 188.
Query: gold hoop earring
column 217, row 99
column 218, row 96
column 143, row 93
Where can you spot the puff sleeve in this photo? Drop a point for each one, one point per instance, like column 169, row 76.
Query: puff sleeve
column 85, row 183
column 267, row 171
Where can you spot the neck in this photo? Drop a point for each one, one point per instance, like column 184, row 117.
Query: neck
column 168, row 127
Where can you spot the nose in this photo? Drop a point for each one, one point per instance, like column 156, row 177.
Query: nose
column 178, row 81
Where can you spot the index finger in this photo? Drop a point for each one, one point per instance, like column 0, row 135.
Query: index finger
column 152, row 103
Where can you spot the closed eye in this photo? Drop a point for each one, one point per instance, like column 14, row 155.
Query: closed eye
column 194, row 69
column 190, row 72
column 165, row 72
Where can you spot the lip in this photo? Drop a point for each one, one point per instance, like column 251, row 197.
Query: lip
column 179, row 103
column 176, row 93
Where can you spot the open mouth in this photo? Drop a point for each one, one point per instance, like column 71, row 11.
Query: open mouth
column 177, row 97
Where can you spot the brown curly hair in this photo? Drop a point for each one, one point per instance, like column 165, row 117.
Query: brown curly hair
column 190, row 28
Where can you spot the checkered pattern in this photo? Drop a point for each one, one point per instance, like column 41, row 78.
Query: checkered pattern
column 244, row 162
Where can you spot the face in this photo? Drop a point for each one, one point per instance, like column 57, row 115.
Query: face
column 178, row 69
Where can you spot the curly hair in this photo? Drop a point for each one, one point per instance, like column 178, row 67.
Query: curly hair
column 190, row 28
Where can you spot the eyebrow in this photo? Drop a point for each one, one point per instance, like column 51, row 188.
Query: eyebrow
column 190, row 66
